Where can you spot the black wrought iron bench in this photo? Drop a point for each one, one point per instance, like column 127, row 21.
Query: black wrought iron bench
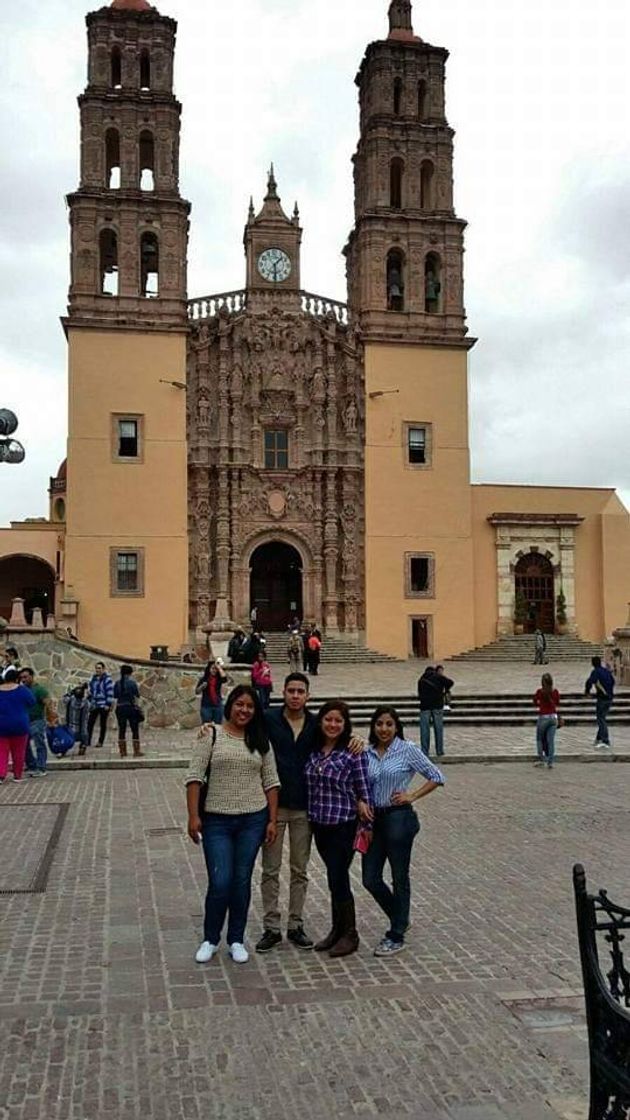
column 607, row 999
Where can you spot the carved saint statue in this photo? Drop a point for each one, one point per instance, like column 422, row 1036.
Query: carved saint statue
column 350, row 417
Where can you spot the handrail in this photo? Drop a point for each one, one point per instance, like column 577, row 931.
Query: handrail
column 235, row 303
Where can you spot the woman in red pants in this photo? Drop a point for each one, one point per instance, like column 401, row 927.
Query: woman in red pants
column 15, row 702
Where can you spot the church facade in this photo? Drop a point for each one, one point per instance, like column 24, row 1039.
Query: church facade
column 277, row 449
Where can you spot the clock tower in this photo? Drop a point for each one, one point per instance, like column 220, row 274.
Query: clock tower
column 272, row 250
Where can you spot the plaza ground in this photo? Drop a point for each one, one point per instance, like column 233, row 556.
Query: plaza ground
column 103, row 1012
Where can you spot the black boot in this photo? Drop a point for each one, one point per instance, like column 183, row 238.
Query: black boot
column 328, row 942
column 348, row 941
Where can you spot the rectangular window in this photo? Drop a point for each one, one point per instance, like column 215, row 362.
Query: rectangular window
column 419, row 575
column 126, row 572
column 417, row 442
column 127, row 435
column 277, row 449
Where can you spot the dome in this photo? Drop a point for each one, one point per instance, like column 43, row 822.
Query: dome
column 132, row 5
column 63, row 468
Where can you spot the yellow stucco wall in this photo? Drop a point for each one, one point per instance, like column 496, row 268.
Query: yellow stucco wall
column 602, row 552
column 417, row 510
column 41, row 540
column 127, row 505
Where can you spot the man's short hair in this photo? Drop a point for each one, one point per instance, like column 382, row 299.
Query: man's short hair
column 596, row 662
column 301, row 677
column 27, row 669
column 11, row 651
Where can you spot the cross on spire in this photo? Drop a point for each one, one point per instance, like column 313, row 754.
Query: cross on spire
column 272, row 187
column 400, row 16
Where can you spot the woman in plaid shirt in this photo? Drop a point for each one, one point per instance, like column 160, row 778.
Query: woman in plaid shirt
column 338, row 794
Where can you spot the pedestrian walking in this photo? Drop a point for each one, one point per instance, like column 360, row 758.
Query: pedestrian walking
column 209, row 687
column 101, row 699
column 262, row 680
column 75, row 710
column 294, row 651
column 603, row 683
column 304, row 636
column 16, row 702
column 314, row 653
column 37, row 748
column 253, row 617
column 540, row 648
column 128, row 711
column 433, row 687
column 338, row 797
column 547, row 700
column 236, row 646
column 235, row 768
column 393, row 762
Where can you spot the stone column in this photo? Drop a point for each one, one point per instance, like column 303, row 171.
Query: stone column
column 567, row 573
column 18, row 618
column 622, row 643
column 505, row 582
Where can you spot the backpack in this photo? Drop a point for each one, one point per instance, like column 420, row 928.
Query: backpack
column 314, row 644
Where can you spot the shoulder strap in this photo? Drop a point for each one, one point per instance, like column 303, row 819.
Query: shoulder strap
column 212, row 746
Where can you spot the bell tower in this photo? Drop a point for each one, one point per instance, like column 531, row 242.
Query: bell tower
column 405, row 253
column 405, row 293
column 126, row 545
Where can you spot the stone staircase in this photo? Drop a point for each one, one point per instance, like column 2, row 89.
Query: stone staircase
column 485, row 709
column 520, row 647
column 335, row 651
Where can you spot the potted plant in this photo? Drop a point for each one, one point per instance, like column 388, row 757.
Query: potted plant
column 520, row 613
column 561, row 613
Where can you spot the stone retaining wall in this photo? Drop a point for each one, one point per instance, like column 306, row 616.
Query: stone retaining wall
column 167, row 689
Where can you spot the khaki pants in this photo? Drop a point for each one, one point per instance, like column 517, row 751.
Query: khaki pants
column 300, row 837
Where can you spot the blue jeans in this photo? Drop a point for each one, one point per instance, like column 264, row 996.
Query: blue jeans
column 37, row 750
column 434, row 716
column 230, row 845
column 212, row 713
column 546, row 728
column 602, row 709
column 394, row 834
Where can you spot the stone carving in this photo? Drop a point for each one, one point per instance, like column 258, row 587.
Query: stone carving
column 350, row 416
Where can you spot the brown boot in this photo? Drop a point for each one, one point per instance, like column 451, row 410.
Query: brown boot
column 349, row 939
column 328, row 942
column 137, row 753
column 122, row 748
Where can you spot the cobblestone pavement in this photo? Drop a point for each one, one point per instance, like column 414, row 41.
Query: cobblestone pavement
column 103, row 1013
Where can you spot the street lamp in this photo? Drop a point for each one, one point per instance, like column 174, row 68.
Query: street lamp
column 11, row 450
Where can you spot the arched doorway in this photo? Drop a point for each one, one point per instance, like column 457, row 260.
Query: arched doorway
column 28, row 578
column 276, row 584
column 534, row 581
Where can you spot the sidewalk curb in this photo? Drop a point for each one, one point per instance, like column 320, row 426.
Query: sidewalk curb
column 177, row 763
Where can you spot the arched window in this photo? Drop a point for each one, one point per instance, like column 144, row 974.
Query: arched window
column 432, row 283
column 396, row 175
column 395, row 280
column 116, row 68
column 112, row 159
column 427, row 171
column 108, row 251
column 398, row 90
column 145, row 70
column 422, row 99
column 149, row 266
column 147, row 161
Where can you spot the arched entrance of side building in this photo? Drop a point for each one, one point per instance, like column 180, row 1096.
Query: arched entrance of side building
column 28, row 578
column 533, row 576
column 276, row 584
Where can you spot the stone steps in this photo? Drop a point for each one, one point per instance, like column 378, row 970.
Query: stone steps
column 520, row 647
column 335, row 651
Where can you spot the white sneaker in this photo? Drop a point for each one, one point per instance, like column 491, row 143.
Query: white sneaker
column 238, row 953
column 602, row 746
column 205, row 952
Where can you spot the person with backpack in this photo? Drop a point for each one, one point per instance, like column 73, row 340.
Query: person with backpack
column 128, row 711
column 603, row 682
column 433, row 687
column 75, row 709
column 294, row 651
column 209, row 687
column 540, row 648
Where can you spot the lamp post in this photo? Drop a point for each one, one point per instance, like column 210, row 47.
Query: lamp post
column 11, row 450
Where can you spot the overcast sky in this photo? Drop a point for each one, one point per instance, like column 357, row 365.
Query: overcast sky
column 539, row 94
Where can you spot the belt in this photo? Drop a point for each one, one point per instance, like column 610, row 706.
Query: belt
column 381, row 810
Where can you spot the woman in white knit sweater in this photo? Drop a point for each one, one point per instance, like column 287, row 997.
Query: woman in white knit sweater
column 240, row 813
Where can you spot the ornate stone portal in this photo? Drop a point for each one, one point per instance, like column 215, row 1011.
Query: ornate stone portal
column 275, row 429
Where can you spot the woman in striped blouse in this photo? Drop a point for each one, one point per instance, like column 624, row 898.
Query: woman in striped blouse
column 393, row 762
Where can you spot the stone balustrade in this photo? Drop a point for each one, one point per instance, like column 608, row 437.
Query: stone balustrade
column 234, row 303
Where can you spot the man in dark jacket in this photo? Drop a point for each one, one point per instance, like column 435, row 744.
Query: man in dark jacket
column 432, row 688
column 291, row 731
column 602, row 680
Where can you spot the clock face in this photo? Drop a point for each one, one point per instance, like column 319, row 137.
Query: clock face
column 274, row 265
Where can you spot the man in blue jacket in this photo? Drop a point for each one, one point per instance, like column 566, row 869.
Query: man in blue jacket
column 602, row 680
